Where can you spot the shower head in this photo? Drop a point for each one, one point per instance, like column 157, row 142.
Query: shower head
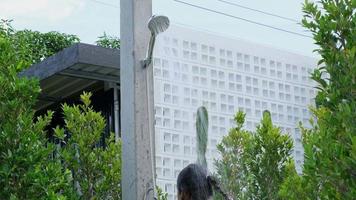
column 158, row 24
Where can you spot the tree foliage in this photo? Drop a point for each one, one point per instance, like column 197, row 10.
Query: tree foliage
column 27, row 170
column 31, row 167
column 329, row 170
column 232, row 167
column 33, row 45
column 43, row 45
column 160, row 194
column 108, row 41
column 270, row 156
column 253, row 165
column 96, row 170
column 292, row 186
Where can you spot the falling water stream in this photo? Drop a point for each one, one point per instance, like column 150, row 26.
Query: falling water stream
column 194, row 182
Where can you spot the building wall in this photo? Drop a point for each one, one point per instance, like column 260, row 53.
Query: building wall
column 193, row 68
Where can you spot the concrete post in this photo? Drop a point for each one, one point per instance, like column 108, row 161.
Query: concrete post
column 136, row 87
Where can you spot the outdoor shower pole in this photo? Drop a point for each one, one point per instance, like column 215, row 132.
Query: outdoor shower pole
column 136, row 108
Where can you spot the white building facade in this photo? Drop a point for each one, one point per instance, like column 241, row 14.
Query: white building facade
column 193, row 68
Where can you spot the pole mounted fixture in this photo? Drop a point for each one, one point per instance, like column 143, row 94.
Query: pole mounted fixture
column 156, row 24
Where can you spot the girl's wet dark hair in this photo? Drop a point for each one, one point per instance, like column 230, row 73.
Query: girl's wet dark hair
column 192, row 183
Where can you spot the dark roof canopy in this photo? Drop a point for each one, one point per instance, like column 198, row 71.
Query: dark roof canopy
column 74, row 69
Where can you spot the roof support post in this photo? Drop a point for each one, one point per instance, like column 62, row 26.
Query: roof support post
column 136, row 87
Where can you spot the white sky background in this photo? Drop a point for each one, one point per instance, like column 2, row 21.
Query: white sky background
column 90, row 18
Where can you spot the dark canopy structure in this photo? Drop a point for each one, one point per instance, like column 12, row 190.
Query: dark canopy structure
column 74, row 69
column 81, row 67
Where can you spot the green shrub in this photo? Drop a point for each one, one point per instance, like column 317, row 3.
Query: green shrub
column 96, row 170
column 253, row 165
column 27, row 170
column 330, row 146
column 31, row 167
column 108, row 41
column 160, row 194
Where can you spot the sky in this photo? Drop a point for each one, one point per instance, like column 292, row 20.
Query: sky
column 91, row 18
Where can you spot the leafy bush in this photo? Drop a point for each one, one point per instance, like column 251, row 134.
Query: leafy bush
column 31, row 167
column 96, row 170
column 108, row 41
column 253, row 165
column 27, row 170
column 330, row 146
column 160, row 194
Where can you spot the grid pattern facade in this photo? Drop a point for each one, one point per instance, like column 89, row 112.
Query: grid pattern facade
column 193, row 68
